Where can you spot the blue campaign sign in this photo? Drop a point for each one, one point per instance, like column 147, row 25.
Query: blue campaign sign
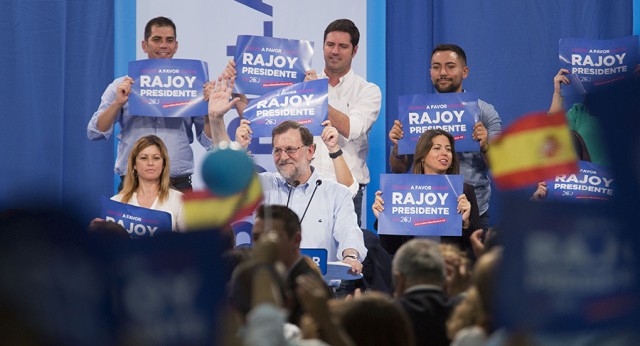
column 139, row 222
column 569, row 267
column 593, row 182
column 305, row 103
column 420, row 204
column 168, row 87
column 264, row 64
column 597, row 63
column 455, row 113
column 319, row 257
column 168, row 290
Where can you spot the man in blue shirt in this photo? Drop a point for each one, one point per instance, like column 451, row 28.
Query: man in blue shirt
column 448, row 70
column 159, row 43
column 325, row 207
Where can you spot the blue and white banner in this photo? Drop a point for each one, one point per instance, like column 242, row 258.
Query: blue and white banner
column 420, row 204
column 596, row 63
column 264, row 64
column 139, row 222
column 455, row 113
column 305, row 103
column 168, row 87
column 569, row 266
column 318, row 256
column 593, row 182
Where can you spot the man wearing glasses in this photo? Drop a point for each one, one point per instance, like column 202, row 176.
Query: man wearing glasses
column 325, row 207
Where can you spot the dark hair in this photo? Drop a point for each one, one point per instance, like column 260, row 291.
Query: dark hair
column 451, row 48
column 289, row 219
column 307, row 137
column 159, row 21
column 425, row 142
column 344, row 25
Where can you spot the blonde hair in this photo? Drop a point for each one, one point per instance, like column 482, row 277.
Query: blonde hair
column 131, row 182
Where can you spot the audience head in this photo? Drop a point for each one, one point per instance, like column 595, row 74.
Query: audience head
column 448, row 68
column 484, row 277
column 417, row 262
column 285, row 222
column 293, row 150
column 148, row 161
column 340, row 45
column 160, row 38
column 374, row 319
column 436, row 154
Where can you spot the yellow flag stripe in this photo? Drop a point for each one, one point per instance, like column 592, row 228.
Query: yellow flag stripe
column 525, row 150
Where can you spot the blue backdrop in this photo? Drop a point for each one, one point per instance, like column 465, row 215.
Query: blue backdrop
column 57, row 58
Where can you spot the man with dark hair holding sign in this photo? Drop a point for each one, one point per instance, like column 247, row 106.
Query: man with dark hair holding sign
column 354, row 105
column 159, row 43
column 448, row 70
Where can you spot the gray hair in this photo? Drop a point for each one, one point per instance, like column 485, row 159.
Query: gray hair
column 420, row 259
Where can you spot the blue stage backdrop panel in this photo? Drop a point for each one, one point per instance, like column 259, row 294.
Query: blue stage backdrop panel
column 57, row 59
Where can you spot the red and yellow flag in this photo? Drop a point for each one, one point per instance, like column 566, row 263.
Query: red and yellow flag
column 533, row 148
column 204, row 210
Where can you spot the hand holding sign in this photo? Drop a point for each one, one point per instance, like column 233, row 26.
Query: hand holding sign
column 396, row 132
column 464, row 209
column 123, row 91
column 378, row 204
column 243, row 133
column 480, row 134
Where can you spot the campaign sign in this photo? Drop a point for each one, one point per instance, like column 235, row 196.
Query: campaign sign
column 168, row 87
column 264, row 64
column 595, row 63
column 455, row 113
column 593, row 182
column 139, row 222
column 420, row 204
column 319, row 257
column 169, row 289
column 569, row 267
column 305, row 103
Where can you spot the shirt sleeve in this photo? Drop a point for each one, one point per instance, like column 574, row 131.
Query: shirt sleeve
column 346, row 231
column 490, row 119
column 200, row 134
column 108, row 97
column 364, row 111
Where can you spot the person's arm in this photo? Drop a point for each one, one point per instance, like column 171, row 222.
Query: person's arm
column 314, row 299
column 220, row 102
column 230, row 72
column 345, row 228
column 378, row 204
column 557, row 99
column 398, row 163
column 330, row 138
column 109, row 115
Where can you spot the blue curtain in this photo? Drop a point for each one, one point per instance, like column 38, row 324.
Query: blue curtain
column 511, row 47
column 57, row 58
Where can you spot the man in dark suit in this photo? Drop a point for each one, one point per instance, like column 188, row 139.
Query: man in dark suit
column 419, row 277
column 280, row 219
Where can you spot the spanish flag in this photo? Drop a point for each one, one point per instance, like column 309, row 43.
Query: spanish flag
column 535, row 147
column 204, row 210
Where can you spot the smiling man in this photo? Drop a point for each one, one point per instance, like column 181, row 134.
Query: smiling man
column 354, row 104
column 159, row 43
column 325, row 207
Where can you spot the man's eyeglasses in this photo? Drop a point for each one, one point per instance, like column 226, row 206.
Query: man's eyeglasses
column 289, row 150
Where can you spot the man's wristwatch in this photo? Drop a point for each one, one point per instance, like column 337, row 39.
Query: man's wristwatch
column 336, row 154
column 350, row 256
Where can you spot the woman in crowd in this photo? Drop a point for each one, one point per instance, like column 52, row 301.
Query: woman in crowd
column 434, row 154
column 146, row 183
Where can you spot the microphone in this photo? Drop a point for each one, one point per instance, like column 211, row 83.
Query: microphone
column 291, row 187
column 318, row 183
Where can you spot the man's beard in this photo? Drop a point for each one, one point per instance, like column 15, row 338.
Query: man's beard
column 446, row 89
